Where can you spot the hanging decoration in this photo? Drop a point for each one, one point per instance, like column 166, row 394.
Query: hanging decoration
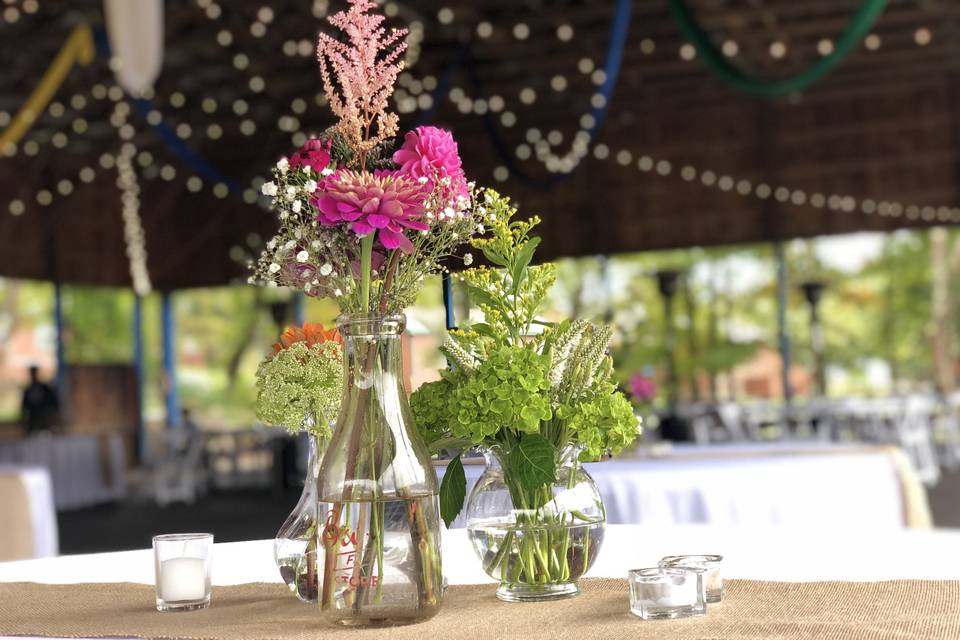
column 78, row 49
column 600, row 104
column 135, row 29
column 717, row 63
column 133, row 234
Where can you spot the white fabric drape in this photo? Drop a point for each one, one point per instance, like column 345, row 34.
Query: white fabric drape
column 135, row 29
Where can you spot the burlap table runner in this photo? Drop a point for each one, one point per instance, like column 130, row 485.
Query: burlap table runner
column 904, row 609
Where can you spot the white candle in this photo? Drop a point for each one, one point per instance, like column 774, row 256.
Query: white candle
column 667, row 595
column 183, row 580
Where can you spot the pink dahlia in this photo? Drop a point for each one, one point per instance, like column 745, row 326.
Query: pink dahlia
column 386, row 203
column 432, row 153
column 314, row 154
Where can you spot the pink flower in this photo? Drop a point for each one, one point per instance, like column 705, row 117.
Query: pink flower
column 431, row 153
column 642, row 388
column 386, row 203
column 314, row 154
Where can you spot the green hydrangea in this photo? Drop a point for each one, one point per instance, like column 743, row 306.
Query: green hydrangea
column 507, row 390
column 604, row 422
column 299, row 381
column 431, row 409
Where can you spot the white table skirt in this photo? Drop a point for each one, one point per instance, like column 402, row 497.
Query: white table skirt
column 43, row 515
column 754, row 485
column 75, row 466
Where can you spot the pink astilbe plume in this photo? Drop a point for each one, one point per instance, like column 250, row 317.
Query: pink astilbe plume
column 359, row 75
column 386, row 203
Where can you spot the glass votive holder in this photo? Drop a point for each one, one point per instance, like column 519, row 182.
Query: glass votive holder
column 709, row 564
column 662, row 593
column 182, row 565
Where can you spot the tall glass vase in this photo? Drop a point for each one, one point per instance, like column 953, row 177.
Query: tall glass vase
column 295, row 547
column 379, row 507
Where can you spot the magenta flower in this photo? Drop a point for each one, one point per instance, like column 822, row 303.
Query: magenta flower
column 642, row 388
column 314, row 154
column 431, row 153
column 386, row 203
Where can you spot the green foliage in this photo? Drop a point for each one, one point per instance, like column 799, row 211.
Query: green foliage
column 604, row 422
column 300, row 381
column 431, row 409
column 533, row 462
column 515, row 391
column 511, row 293
column 453, row 491
column 508, row 390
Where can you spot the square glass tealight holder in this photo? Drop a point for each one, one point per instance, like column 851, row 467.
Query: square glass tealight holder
column 709, row 564
column 661, row 593
column 182, row 565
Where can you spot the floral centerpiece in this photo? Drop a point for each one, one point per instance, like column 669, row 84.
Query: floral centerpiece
column 363, row 223
column 299, row 387
column 540, row 398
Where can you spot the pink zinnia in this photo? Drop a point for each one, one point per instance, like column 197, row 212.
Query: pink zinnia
column 314, row 154
column 385, row 203
column 429, row 153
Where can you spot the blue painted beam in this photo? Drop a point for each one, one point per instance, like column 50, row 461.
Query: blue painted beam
column 62, row 380
column 447, row 283
column 783, row 335
column 139, row 369
column 299, row 308
column 171, row 393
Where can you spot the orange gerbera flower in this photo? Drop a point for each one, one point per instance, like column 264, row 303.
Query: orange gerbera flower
column 311, row 333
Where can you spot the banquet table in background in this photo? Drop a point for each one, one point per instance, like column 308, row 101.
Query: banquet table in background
column 28, row 520
column 86, row 470
column 780, row 484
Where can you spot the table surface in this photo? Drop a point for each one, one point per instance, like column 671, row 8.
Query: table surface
column 795, row 555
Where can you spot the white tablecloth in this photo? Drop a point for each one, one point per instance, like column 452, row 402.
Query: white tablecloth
column 43, row 515
column 758, row 553
column 751, row 484
column 76, row 465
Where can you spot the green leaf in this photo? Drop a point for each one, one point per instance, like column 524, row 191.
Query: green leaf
column 522, row 261
column 483, row 329
column 453, row 491
column 480, row 296
column 494, row 257
column 533, row 461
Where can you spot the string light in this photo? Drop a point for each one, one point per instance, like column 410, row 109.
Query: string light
column 133, row 233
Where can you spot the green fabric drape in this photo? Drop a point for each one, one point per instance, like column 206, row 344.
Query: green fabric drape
column 718, row 64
